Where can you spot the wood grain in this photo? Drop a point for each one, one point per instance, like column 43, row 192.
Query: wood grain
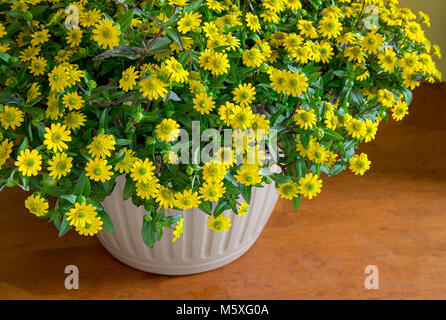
column 394, row 217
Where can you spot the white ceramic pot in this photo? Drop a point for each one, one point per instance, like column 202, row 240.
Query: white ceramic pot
column 198, row 249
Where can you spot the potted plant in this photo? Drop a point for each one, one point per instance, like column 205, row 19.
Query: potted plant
column 143, row 116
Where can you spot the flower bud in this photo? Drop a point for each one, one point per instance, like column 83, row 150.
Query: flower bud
column 150, row 141
column 81, row 199
column 11, row 183
column 100, row 131
column 92, row 84
column 268, row 180
column 189, row 170
column 147, row 218
column 319, row 133
column 138, row 116
column 28, row 16
column 13, row 60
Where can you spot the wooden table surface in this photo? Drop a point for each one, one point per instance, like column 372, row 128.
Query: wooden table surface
column 394, row 217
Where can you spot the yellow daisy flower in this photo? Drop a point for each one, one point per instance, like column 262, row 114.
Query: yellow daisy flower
column 106, row 34
column 11, row 117
column 219, row 224
column 102, row 145
column 56, row 136
column 36, row 205
column 167, row 130
column 288, row 190
column 128, row 80
column 98, row 170
column 60, row 165
column 359, row 164
column 310, row 185
column 29, row 162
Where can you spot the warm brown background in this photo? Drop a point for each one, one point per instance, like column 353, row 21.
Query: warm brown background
column 393, row 217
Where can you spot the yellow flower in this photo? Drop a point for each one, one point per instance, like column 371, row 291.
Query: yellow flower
column 11, row 117
column 74, row 120
column 243, row 209
column 63, row 55
column 386, row 98
column 306, row 119
column 40, row 37
column 400, row 110
column 37, row 66
column 167, row 130
column 307, row 29
column 355, row 53
column 165, row 197
column 249, row 175
column 148, row 189
column 244, row 94
column 387, row 60
column 330, row 27
column 175, row 70
column 252, row 21
column 187, row 199
column 356, row 128
column 5, row 151
column 153, row 87
column 253, row 57
column 278, row 80
column 372, row 43
column 56, row 136
column 214, row 172
column 296, row 83
column 178, row 230
column 29, row 162
column 241, row 118
column 60, row 165
column 310, row 185
column 29, row 53
column 36, row 205
column 218, row 64
column 288, row 190
column 212, row 191
column 128, row 80
column 359, row 164
column 98, row 170
column 58, row 78
column 81, row 214
column 371, row 129
column 203, row 103
column 219, row 224
column 126, row 163
column 74, row 37
column 318, row 154
column 102, row 145
column 190, row 21
column 90, row 228
column 106, row 34
column 2, row 30
column 89, row 18
column 142, row 171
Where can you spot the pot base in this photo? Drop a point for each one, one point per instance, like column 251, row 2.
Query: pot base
column 198, row 249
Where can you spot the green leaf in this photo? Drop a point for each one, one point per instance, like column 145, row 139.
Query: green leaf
column 107, row 223
column 119, row 51
column 126, row 20
column 246, row 192
column 205, row 206
column 69, row 197
column 194, row 5
column 175, row 36
column 80, row 185
column 221, row 206
column 280, row 178
column 333, row 134
column 129, row 189
column 4, row 56
column 296, row 202
column 149, row 233
column 64, row 226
